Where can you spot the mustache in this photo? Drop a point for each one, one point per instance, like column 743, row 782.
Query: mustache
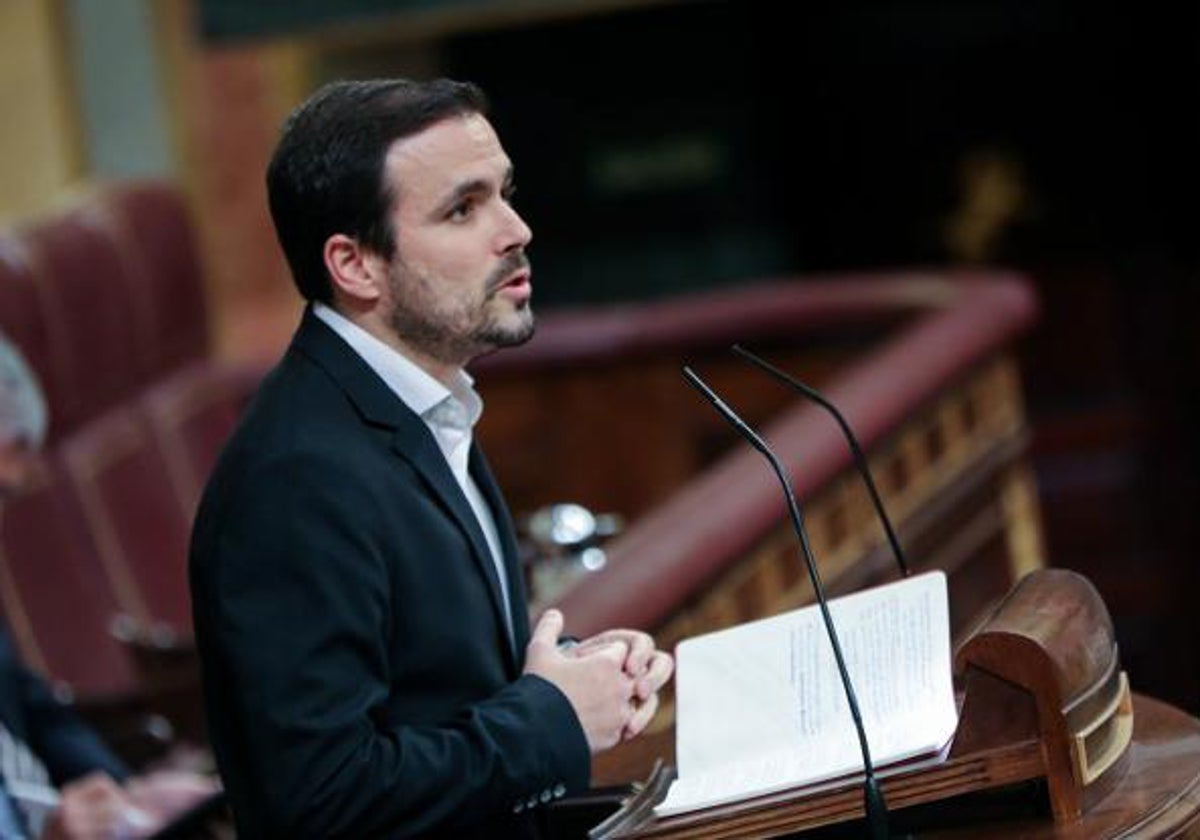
column 513, row 262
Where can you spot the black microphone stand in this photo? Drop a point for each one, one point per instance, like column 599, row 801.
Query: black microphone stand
column 873, row 802
column 860, row 460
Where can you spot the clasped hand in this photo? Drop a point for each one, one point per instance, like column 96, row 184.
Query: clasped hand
column 611, row 679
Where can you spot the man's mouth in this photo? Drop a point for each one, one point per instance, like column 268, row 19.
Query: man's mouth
column 519, row 278
column 518, row 284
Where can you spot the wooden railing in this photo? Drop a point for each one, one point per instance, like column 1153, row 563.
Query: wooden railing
column 920, row 364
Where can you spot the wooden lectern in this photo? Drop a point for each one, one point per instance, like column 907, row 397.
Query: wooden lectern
column 921, row 365
column 1044, row 707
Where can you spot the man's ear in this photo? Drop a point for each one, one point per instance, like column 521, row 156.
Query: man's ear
column 356, row 273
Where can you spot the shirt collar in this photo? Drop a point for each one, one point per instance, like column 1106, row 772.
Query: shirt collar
column 416, row 388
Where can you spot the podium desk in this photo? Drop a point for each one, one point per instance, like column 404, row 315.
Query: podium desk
column 1158, row 795
column 1049, row 742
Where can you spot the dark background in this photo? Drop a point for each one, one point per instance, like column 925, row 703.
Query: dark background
column 684, row 145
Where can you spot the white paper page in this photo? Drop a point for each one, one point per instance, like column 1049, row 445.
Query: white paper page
column 760, row 707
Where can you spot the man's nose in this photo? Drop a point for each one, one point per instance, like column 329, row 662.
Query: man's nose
column 514, row 233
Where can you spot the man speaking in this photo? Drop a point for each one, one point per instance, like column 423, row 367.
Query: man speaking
column 369, row 668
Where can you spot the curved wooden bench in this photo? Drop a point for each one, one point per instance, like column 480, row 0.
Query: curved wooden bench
column 936, row 403
column 918, row 362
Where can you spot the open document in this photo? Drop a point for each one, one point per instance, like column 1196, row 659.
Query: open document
column 760, row 707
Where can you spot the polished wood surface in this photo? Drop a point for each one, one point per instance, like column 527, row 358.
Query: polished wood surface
column 1045, row 711
column 1158, row 794
column 1045, row 665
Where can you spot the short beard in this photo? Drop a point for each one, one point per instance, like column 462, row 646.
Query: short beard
column 438, row 336
column 492, row 336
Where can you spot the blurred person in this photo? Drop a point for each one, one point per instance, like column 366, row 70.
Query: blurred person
column 57, row 779
column 368, row 663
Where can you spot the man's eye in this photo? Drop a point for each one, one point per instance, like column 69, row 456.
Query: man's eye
column 461, row 210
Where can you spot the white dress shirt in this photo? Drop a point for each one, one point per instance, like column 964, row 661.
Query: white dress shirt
column 450, row 413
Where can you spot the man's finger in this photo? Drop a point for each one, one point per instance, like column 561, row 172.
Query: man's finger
column 548, row 629
column 641, row 718
column 591, row 643
column 641, row 649
column 615, row 650
column 639, row 645
column 658, row 671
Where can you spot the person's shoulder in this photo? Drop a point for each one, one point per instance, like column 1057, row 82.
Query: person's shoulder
column 297, row 398
column 283, row 464
column 298, row 422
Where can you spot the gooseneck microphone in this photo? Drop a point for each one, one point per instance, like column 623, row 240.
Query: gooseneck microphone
column 874, row 805
column 860, row 460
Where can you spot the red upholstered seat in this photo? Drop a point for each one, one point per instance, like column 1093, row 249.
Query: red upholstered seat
column 85, row 301
column 105, row 299
column 150, row 226
column 133, row 514
column 21, row 315
column 190, row 415
column 56, row 598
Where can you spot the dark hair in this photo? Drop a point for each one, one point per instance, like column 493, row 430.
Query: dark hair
column 326, row 175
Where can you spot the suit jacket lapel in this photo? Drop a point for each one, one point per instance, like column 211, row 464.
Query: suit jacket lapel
column 412, row 441
column 482, row 474
column 422, row 452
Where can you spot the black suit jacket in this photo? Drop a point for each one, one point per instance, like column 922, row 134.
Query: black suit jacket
column 52, row 730
column 359, row 679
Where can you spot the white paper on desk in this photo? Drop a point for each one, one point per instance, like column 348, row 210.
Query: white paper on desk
column 760, row 707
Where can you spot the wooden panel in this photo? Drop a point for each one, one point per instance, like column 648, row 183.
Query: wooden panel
column 623, row 434
column 948, row 503
column 962, row 479
column 923, row 382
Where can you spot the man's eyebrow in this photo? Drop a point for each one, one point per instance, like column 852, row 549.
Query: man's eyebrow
column 467, row 188
column 475, row 186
